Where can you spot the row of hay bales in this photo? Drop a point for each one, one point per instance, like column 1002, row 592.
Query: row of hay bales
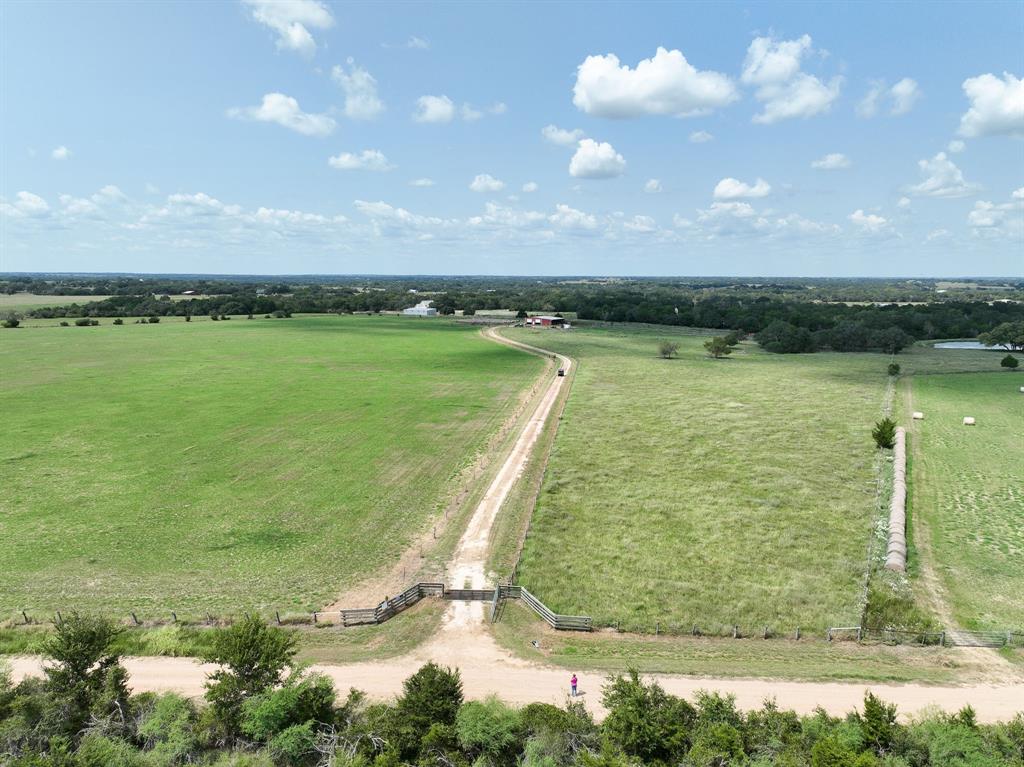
column 896, row 553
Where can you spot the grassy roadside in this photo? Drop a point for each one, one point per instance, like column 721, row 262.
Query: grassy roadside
column 316, row 644
column 810, row 659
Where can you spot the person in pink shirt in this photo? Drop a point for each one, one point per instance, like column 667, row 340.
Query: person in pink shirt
column 572, row 683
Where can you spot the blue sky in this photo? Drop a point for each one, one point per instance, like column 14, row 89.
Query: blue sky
column 686, row 139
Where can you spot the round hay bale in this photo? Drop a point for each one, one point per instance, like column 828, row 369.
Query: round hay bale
column 968, row 421
column 918, row 416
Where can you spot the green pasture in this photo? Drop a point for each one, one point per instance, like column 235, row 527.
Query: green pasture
column 968, row 482
column 706, row 492
column 229, row 466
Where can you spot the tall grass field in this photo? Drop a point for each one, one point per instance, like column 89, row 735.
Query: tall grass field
column 229, row 466
column 968, row 482
column 695, row 491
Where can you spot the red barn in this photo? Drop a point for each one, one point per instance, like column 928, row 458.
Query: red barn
column 546, row 321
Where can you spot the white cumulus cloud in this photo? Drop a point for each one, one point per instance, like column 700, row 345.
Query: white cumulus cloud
column 989, row 219
column 485, row 182
column 61, row 153
column 900, row 98
column 596, row 160
column 997, row 106
column 905, row 94
column 734, row 189
column 284, row 110
column 869, row 222
column 653, row 186
column 832, row 161
column 774, row 68
column 531, row 186
column 361, row 99
column 955, row 146
column 666, row 84
column 434, row 109
column 368, row 159
column 700, row 137
column 292, row 20
column 566, row 217
column 25, row 205
column 422, row 182
column 560, row 136
column 942, row 178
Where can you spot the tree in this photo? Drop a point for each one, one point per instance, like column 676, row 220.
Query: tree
column 894, row 368
column 1009, row 335
column 432, row 695
column 12, row 320
column 644, row 721
column 878, row 724
column 668, row 349
column 253, row 658
column 733, row 337
column 85, row 670
column 884, row 433
column 1009, row 362
column 783, row 337
column 891, row 340
column 118, row 321
column 718, row 347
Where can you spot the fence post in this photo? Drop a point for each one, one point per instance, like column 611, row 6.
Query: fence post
column 314, row 618
column 135, row 620
column 860, row 633
column 657, row 628
column 798, row 633
column 765, row 635
column 829, row 635
column 735, row 632
column 60, row 620
column 174, row 617
column 277, row 614
column 942, row 638
column 23, row 615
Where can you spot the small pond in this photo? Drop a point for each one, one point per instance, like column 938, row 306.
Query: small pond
column 965, row 345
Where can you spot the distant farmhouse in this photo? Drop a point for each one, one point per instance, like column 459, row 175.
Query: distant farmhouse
column 546, row 321
column 422, row 309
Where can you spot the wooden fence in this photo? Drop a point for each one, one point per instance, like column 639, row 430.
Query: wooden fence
column 944, row 638
column 393, row 605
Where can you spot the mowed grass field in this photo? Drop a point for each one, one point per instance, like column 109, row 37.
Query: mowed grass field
column 708, row 492
column 23, row 302
column 229, row 466
column 968, row 483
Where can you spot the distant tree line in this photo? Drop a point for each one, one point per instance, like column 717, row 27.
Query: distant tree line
column 785, row 316
column 261, row 710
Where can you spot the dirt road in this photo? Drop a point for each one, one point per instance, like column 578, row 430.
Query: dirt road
column 486, row 669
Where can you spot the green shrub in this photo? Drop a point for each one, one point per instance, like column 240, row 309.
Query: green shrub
column 292, row 746
column 1010, row 362
column 83, row 322
column 668, row 349
column 64, row 324
column 168, row 730
column 119, row 321
column 11, row 322
column 884, row 433
column 894, row 368
column 488, row 728
column 154, row 320
column 100, row 751
column 299, row 701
